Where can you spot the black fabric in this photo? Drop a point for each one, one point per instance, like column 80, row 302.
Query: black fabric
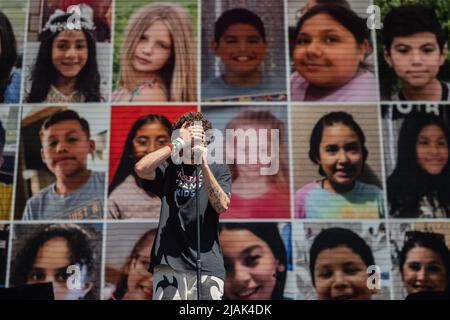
column 176, row 241
column 186, row 183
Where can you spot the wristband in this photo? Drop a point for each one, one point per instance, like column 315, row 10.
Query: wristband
column 177, row 145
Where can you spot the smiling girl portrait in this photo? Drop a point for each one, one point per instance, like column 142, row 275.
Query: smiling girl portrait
column 339, row 147
column 127, row 260
column 65, row 68
column 421, row 263
column 158, row 55
column 419, row 185
column 331, row 46
column 255, row 259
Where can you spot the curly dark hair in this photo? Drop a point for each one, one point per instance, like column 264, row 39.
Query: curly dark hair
column 191, row 117
column 79, row 241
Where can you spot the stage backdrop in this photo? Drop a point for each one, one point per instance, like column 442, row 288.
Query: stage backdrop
column 356, row 186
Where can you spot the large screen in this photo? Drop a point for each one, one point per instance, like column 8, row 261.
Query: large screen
column 333, row 118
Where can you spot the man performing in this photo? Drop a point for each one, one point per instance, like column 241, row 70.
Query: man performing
column 174, row 252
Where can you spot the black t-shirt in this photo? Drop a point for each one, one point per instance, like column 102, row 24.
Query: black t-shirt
column 176, row 241
column 186, row 183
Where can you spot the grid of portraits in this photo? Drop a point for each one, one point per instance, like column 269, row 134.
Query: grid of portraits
column 341, row 127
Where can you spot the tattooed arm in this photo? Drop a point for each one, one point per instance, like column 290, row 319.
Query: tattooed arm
column 218, row 198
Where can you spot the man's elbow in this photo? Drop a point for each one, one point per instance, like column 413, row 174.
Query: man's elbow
column 138, row 168
column 224, row 206
column 144, row 173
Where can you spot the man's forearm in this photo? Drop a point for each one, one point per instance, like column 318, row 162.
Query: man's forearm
column 145, row 168
column 217, row 197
